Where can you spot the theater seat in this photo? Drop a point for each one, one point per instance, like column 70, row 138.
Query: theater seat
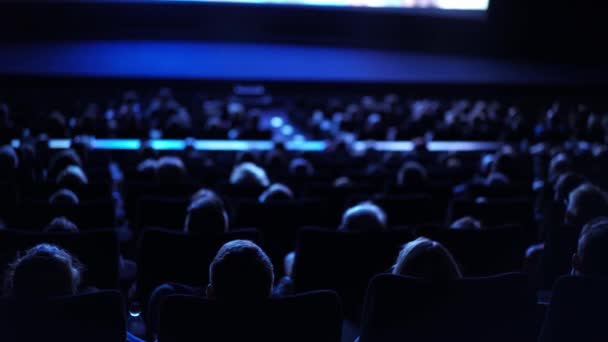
column 169, row 256
column 161, row 211
column 279, row 221
column 578, row 311
column 86, row 215
column 97, row 250
column 482, row 252
column 493, row 211
column 95, row 317
column 344, row 262
column 497, row 308
column 314, row 316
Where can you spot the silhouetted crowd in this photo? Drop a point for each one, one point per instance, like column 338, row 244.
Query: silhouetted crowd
column 252, row 226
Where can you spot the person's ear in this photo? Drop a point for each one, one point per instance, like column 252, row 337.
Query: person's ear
column 577, row 266
column 210, row 292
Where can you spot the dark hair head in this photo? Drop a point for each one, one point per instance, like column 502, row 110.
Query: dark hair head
column 147, row 170
column 364, row 217
column 171, row 169
column 241, row 271
column 428, row 259
column 586, row 203
column 64, row 197
column 276, row 192
column 565, row 183
column 505, row 163
column 178, row 125
column 56, row 126
column 61, row 225
column 275, row 160
column 72, row 177
column 301, row 167
column 560, row 163
column 466, row 223
column 497, row 180
column 9, row 161
column 592, row 249
column 249, row 174
column 206, row 214
column 62, row 159
column 204, row 192
column 411, row 174
column 44, row 271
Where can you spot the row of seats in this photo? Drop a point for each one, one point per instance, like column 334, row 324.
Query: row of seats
column 397, row 308
column 326, row 259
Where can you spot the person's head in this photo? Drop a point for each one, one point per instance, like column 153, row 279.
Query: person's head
column 62, row 159
column 204, row 192
column 428, row 259
column 64, row 198
column 9, row 161
column 411, row 174
column 249, row 174
column 342, row 182
column 560, row 163
column 178, row 125
column 206, row 214
column 364, row 217
column 466, row 223
column 497, row 180
column 61, row 225
column 276, row 192
column 565, row 183
column 43, row 271
column 71, row 177
column 505, row 162
column 592, row 252
column 56, row 125
column 171, row 169
column 240, row 271
column 585, row 203
column 275, row 160
column 147, row 170
column 301, row 167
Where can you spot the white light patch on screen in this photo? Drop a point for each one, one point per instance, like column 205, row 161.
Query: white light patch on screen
column 480, row 5
column 463, row 4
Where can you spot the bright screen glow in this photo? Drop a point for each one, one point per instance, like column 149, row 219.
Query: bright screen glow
column 480, row 5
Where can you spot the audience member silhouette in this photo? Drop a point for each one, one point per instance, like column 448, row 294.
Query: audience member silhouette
column 427, row 259
column 43, row 271
column 171, row 170
column 364, row 217
column 61, row 225
column 249, row 175
column 276, row 192
column 592, row 250
column 63, row 198
column 206, row 214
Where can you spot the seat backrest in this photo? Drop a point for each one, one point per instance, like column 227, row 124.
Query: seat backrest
column 411, row 209
column 314, row 316
column 94, row 317
column 344, row 262
column 497, row 308
column 134, row 191
column 493, row 211
column 86, row 215
column 161, row 211
column 578, row 311
column 98, row 251
column 279, row 222
column 169, row 256
column 482, row 252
